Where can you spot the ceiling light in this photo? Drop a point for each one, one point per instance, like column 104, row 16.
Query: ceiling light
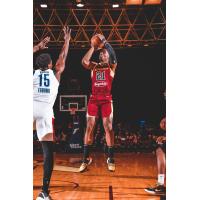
column 151, row 2
column 115, row 5
column 80, row 5
column 134, row 2
column 43, row 5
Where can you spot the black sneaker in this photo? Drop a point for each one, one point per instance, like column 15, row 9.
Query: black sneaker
column 43, row 196
column 84, row 164
column 158, row 189
column 111, row 164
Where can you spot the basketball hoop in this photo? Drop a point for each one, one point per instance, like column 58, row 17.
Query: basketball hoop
column 73, row 111
column 73, row 101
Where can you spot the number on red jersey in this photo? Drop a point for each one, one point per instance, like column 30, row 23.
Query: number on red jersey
column 100, row 76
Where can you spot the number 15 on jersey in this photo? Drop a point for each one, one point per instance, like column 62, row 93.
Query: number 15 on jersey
column 44, row 80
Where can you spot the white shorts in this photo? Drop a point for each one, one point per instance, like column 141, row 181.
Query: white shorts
column 44, row 118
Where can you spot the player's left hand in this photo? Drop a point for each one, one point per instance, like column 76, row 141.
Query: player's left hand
column 43, row 43
column 102, row 38
column 161, row 139
column 103, row 41
column 67, row 33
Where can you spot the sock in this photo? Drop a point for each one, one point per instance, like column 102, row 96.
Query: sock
column 161, row 179
column 47, row 147
column 86, row 150
column 111, row 152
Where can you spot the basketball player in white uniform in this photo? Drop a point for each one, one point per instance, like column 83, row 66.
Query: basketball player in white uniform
column 45, row 89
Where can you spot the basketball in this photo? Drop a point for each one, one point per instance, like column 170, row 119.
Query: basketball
column 96, row 42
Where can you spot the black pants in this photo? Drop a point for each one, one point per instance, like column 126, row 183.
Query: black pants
column 47, row 147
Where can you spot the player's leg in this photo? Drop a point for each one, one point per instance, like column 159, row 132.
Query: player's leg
column 107, row 114
column 92, row 112
column 161, row 165
column 45, row 135
column 47, row 147
column 89, row 137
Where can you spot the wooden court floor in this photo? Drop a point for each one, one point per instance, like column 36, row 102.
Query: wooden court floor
column 133, row 173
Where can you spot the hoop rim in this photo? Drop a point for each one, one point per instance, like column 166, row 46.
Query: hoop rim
column 73, row 111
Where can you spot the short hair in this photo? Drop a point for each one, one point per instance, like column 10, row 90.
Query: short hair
column 104, row 50
column 43, row 60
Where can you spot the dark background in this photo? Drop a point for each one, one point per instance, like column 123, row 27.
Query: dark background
column 138, row 86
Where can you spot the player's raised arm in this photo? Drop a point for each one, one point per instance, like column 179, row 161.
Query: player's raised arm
column 60, row 64
column 86, row 59
column 41, row 45
column 113, row 59
column 111, row 51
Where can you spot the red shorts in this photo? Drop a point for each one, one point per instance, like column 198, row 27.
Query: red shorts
column 98, row 106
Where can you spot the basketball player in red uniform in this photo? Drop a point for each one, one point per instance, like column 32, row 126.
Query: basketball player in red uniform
column 100, row 102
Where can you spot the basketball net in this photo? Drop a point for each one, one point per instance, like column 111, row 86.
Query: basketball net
column 73, row 111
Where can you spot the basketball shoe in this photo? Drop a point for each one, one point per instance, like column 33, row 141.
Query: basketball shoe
column 158, row 189
column 43, row 196
column 111, row 164
column 84, row 164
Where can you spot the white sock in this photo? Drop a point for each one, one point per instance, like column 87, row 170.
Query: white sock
column 161, row 179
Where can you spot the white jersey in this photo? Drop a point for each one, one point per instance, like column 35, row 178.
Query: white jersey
column 45, row 86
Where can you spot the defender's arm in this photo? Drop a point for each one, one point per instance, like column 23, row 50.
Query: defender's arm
column 60, row 64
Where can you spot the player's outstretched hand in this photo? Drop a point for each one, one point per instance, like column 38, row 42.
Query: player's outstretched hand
column 43, row 43
column 67, row 33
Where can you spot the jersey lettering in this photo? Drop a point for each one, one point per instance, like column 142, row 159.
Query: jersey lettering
column 43, row 90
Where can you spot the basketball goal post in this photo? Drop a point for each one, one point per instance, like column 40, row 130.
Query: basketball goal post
column 73, row 103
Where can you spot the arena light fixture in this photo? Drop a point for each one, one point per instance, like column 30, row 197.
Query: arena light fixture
column 43, row 5
column 152, row 2
column 79, row 4
column 115, row 5
column 133, row 2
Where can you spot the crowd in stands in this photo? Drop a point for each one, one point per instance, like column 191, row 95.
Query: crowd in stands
column 139, row 139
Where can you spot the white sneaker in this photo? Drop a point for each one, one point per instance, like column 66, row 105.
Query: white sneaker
column 111, row 164
column 84, row 165
column 43, row 196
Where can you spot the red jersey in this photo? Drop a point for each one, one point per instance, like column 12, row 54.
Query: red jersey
column 102, row 82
